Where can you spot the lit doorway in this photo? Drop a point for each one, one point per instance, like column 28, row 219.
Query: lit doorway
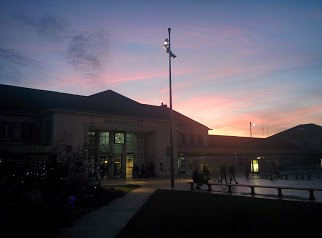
column 254, row 166
column 129, row 165
column 181, row 166
column 118, row 166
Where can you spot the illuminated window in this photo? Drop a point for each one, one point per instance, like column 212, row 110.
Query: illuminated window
column 181, row 164
column 254, row 165
column 130, row 142
column 119, row 138
column 91, row 139
column 190, row 164
column 141, row 149
column 104, row 141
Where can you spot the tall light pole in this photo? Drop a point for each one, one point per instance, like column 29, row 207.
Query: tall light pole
column 167, row 46
column 250, row 128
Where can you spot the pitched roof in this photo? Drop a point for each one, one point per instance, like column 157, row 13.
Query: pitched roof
column 27, row 100
column 306, row 136
column 299, row 131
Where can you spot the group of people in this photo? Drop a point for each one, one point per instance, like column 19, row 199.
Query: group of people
column 146, row 170
column 203, row 177
column 231, row 173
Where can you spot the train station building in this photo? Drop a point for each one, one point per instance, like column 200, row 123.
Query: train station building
column 120, row 133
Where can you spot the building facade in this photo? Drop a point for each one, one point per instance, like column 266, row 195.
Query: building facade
column 114, row 130
column 120, row 134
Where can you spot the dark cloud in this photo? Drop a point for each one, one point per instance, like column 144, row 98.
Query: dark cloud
column 85, row 53
column 50, row 27
column 13, row 63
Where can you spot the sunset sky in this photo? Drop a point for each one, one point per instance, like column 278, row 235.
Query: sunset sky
column 238, row 61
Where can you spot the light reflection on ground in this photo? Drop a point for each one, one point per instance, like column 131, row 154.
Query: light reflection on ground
column 268, row 193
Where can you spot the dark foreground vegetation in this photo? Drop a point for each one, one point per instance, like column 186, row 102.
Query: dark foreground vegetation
column 40, row 214
column 39, row 196
column 190, row 214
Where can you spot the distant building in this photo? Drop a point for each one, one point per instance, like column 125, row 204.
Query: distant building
column 118, row 131
column 298, row 148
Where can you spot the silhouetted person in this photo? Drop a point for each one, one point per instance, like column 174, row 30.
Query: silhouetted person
column 247, row 170
column 274, row 170
column 142, row 171
column 147, row 170
column 136, row 171
column 204, row 178
column 199, row 180
column 231, row 171
column 195, row 176
column 102, row 170
column 151, row 169
column 115, row 170
column 223, row 173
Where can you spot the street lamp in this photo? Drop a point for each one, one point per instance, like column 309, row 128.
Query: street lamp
column 250, row 128
column 167, row 47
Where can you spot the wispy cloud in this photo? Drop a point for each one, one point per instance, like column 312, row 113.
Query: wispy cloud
column 53, row 28
column 13, row 63
column 84, row 50
column 85, row 53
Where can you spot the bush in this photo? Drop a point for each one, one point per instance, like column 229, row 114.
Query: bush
column 40, row 218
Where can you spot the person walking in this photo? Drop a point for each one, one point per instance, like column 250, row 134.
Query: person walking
column 151, row 169
column 247, row 170
column 136, row 171
column 223, row 173
column 231, row 171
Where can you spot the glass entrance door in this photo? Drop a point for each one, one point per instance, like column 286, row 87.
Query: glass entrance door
column 129, row 165
column 118, row 166
column 254, row 166
column 182, row 165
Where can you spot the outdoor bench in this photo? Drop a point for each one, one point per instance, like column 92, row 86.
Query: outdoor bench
column 270, row 175
column 302, row 175
column 252, row 188
column 285, row 175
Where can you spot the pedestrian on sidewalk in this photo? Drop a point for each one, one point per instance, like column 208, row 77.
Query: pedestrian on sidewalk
column 247, row 170
column 231, row 171
column 223, row 173
column 151, row 169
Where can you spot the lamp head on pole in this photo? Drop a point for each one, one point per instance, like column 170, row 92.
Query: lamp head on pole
column 166, row 44
column 173, row 55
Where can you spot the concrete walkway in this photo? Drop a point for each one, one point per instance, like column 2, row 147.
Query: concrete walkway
column 109, row 220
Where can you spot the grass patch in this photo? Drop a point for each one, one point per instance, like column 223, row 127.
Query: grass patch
column 187, row 214
column 123, row 188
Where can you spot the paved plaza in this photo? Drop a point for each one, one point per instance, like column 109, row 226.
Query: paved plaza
column 121, row 210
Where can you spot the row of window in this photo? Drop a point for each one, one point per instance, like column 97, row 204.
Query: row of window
column 8, row 131
column 119, row 139
column 190, row 139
